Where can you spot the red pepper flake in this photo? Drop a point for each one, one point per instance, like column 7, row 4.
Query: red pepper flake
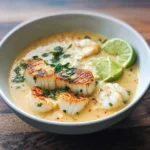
column 95, row 102
column 89, row 110
column 57, row 118
column 79, row 38
column 105, row 112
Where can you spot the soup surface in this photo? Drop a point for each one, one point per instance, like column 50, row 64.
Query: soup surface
column 76, row 50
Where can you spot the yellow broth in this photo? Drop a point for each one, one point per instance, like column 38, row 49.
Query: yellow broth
column 129, row 80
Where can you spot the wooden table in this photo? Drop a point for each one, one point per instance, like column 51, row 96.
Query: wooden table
column 132, row 133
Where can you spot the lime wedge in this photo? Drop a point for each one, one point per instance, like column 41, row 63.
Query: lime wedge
column 107, row 69
column 126, row 56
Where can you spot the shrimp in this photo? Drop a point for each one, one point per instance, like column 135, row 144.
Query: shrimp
column 112, row 95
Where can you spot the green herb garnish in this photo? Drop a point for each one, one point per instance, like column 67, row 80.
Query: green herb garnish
column 69, row 46
column 18, row 78
column 34, row 78
column 81, row 90
column 45, row 54
column 39, row 104
column 101, row 89
column 70, row 80
column 125, row 102
column 23, row 65
column 87, row 37
column 96, row 83
column 64, row 90
column 77, row 113
column 17, row 70
column 59, row 67
column 66, row 55
column 58, row 48
column 35, row 57
column 17, row 87
column 77, row 93
column 104, row 41
column 64, row 111
column 49, row 93
column 129, row 92
column 68, row 73
column 110, row 104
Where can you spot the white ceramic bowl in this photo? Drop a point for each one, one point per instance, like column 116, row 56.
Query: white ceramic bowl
column 31, row 30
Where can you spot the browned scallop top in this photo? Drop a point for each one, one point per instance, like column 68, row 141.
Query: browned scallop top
column 80, row 76
column 38, row 93
column 39, row 68
column 71, row 97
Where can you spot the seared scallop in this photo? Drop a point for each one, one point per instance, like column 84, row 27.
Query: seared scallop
column 39, row 74
column 40, row 103
column 70, row 103
column 81, row 81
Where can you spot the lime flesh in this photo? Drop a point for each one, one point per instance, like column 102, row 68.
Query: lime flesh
column 107, row 69
column 126, row 55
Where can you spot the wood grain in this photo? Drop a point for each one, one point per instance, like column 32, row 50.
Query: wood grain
column 133, row 133
column 124, row 139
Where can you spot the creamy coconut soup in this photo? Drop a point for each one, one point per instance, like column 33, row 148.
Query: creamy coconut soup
column 74, row 77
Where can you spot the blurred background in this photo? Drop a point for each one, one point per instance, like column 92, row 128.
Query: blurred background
column 13, row 12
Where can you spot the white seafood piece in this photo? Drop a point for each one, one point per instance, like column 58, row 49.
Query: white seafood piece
column 40, row 103
column 39, row 74
column 88, row 47
column 112, row 95
column 82, row 81
column 70, row 103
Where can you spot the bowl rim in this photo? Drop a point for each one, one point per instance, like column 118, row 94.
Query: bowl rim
column 62, row 13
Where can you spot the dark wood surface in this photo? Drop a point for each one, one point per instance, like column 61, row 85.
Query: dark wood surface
column 133, row 133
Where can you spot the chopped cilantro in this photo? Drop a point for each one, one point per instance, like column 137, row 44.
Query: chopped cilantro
column 100, row 40
column 64, row 90
column 46, row 92
column 110, row 104
column 23, row 65
column 77, row 93
column 17, row 70
column 18, row 78
column 39, row 104
column 104, row 40
column 96, row 83
column 129, row 92
column 70, row 80
column 46, row 62
column 125, row 102
column 34, row 78
column 64, row 111
column 17, row 87
column 58, row 49
column 77, row 113
column 69, row 46
column 49, row 93
column 101, row 89
column 81, row 90
column 59, row 67
column 45, row 54
column 66, row 55
column 35, row 57
column 87, row 37
column 68, row 73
